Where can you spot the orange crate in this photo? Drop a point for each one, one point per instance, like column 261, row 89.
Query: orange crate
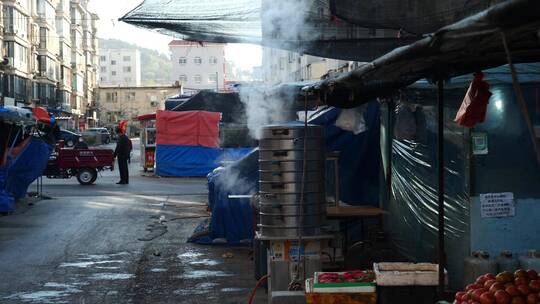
column 341, row 298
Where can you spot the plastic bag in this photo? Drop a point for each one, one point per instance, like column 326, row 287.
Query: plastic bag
column 474, row 106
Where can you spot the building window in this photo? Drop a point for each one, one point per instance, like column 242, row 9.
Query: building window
column 197, row 78
column 130, row 96
column 103, row 69
column 113, row 62
column 126, row 69
column 15, row 22
column 212, row 78
column 43, row 35
column 212, row 60
column 103, row 58
column 182, row 60
column 197, row 60
column 113, row 73
column 183, row 78
column 111, row 96
column 126, row 58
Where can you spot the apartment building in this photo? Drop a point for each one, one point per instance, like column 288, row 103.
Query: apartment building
column 50, row 56
column 198, row 66
column 120, row 67
column 127, row 102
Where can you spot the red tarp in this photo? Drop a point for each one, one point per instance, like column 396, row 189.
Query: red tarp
column 146, row 117
column 189, row 128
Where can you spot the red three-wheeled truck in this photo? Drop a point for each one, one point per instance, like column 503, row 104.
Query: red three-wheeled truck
column 82, row 163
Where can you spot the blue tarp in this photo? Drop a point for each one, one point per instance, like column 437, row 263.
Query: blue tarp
column 20, row 171
column 190, row 161
column 232, row 219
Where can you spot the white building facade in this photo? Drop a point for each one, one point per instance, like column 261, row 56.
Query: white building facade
column 120, row 67
column 198, row 66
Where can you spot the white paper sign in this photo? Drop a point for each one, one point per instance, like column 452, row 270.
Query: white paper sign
column 497, row 204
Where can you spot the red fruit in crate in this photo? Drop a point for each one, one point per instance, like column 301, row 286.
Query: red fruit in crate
column 487, row 298
column 477, row 293
column 532, row 298
column 520, row 273
column 488, row 283
column 532, row 274
column 505, row 277
column 521, row 281
column 460, row 296
column 502, row 297
column 534, row 285
column 481, row 280
column 524, row 289
column 473, row 286
column 518, row 300
column 512, row 291
column 496, row 286
column 490, row 276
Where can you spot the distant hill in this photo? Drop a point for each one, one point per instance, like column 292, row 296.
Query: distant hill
column 155, row 67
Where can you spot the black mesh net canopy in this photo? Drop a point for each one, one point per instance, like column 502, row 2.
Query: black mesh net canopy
column 359, row 30
column 412, row 16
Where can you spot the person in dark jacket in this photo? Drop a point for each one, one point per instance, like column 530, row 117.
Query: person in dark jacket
column 81, row 144
column 122, row 151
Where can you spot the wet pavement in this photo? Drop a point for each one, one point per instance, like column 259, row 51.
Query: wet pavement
column 110, row 243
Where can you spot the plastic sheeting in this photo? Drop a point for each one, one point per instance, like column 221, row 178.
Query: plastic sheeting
column 28, row 165
column 413, row 217
column 192, row 161
column 359, row 165
column 190, row 128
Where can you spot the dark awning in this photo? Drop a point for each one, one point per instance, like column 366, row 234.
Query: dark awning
column 470, row 45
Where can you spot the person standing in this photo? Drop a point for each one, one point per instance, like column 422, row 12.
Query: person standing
column 122, row 151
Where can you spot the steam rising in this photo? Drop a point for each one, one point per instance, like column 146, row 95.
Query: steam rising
column 263, row 109
column 283, row 22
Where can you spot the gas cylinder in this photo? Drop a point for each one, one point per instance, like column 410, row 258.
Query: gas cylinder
column 531, row 260
column 507, row 262
column 476, row 265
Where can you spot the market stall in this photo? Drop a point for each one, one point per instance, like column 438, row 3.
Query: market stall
column 148, row 141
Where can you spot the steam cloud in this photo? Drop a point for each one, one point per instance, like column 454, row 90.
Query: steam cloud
column 284, row 23
column 263, row 109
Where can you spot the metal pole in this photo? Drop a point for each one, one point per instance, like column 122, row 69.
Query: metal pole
column 440, row 194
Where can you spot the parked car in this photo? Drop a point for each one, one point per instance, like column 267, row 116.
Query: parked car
column 105, row 135
column 69, row 138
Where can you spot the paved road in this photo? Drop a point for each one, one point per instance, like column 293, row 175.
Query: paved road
column 118, row 244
